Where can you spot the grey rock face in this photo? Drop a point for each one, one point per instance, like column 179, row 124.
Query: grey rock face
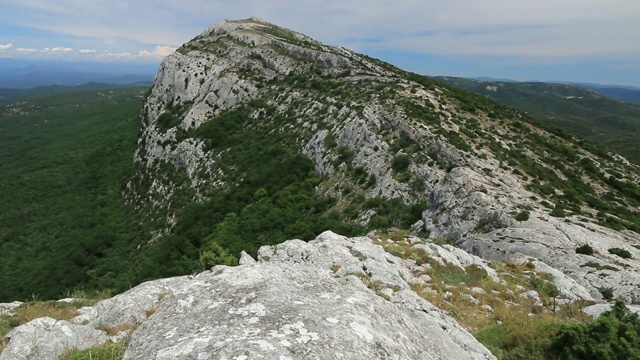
column 47, row 339
column 292, row 305
column 482, row 224
column 271, row 311
column 550, row 243
column 471, row 196
column 6, row 309
column 598, row 309
column 298, row 300
column 129, row 308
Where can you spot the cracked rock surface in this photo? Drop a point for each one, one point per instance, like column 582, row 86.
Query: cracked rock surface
column 298, row 300
column 291, row 305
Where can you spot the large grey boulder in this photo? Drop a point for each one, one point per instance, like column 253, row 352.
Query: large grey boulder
column 47, row 339
column 331, row 298
column 129, row 308
column 296, row 310
column 7, row 309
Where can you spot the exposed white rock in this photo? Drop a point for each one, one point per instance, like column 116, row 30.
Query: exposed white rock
column 7, row 309
column 47, row 339
column 477, row 290
column 470, row 196
column 298, row 300
column 291, row 309
column 598, row 309
column 129, row 308
column 487, row 307
column 532, row 295
column 552, row 243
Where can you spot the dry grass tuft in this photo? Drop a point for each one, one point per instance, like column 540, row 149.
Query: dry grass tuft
column 457, row 291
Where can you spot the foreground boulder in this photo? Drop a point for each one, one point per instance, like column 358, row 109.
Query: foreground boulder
column 268, row 311
column 298, row 300
column 47, row 338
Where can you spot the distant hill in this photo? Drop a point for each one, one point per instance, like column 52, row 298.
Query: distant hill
column 63, row 160
column 583, row 111
column 42, row 78
column 8, row 94
column 25, row 74
column 625, row 94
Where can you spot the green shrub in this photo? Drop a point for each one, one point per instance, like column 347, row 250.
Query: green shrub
column 615, row 335
column 584, row 249
column 620, row 252
column 523, row 338
column 522, row 216
column 607, row 292
column 599, row 266
column 557, row 212
column 107, row 352
column 544, row 287
column 401, row 163
column 330, row 141
column 214, row 254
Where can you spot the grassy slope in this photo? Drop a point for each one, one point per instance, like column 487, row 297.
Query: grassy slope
column 606, row 121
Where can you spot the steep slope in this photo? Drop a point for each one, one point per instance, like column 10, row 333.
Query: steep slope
column 236, row 107
column 580, row 110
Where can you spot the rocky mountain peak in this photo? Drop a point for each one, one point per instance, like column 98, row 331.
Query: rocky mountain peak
column 457, row 167
column 261, row 119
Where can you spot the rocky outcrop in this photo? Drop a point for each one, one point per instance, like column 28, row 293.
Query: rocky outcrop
column 298, row 300
column 476, row 210
column 47, row 338
column 6, row 309
column 598, row 309
column 489, row 178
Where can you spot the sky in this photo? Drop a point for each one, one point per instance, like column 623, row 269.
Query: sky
column 547, row 40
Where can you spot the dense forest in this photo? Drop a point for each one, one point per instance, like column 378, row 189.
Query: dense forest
column 65, row 226
column 62, row 162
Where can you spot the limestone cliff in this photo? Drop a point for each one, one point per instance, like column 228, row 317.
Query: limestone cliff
column 490, row 179
column 491, row 184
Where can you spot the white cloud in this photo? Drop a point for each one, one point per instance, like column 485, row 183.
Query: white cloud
column 6, row 46
column 159, row 51
column 61, row 49
column 164, row 50
column 543, row 28
column 27, row 50
column 87, row 51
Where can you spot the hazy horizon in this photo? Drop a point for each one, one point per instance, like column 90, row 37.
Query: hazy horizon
column 102, row 71
column 547, row 40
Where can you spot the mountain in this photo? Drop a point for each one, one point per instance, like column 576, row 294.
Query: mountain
column 625, row 94
column 8, row 94
column 25, row 74
column 253, row 134
column 589, row 113
column 237, row 106
column 254, row 107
